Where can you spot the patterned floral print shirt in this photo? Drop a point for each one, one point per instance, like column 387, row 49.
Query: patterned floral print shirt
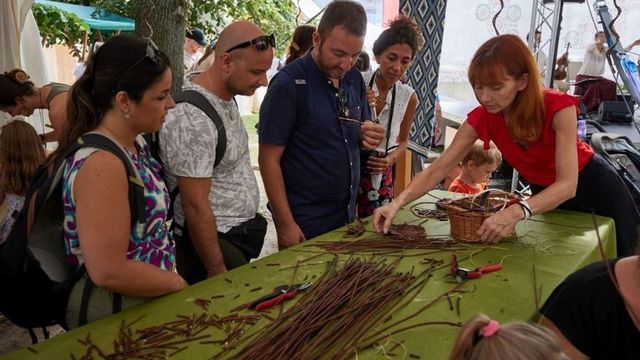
column 188, row 142
column 150, row 242
column 10, row 208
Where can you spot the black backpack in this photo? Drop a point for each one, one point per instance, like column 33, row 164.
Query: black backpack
column 200, row 101
column 35, row 275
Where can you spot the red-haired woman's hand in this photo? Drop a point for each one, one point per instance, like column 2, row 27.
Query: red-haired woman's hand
column 500, row 225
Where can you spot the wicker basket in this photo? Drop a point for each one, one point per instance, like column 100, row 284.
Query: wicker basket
column 467, row 214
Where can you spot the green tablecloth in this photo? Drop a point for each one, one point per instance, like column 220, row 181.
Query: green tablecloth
column 558, row 243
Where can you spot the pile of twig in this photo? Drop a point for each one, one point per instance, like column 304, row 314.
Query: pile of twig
column 439, row 213
column 355, row 229
column 407, row 232
column 337, row 317
column 400, row 237
column 168, row 339
column 386, row 244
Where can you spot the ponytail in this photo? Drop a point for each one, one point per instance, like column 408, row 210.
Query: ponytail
column 484, row 339
column 301, row 42
column 468, row 337
column 83, row 112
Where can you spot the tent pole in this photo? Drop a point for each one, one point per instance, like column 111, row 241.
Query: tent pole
column 84, row 44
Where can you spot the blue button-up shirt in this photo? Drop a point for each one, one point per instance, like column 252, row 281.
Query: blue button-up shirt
column 321, row 160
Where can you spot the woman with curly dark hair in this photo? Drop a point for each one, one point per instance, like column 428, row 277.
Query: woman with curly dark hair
column 19, row 96
column 395, row 103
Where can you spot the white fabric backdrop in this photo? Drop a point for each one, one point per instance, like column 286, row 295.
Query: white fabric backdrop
column 20, row 48
column 468, row 25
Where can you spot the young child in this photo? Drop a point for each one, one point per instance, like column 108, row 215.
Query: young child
column 21, row 153
column 477, row 166
column 482, row 339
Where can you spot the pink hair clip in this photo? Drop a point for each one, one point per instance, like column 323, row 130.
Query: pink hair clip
column 490, row 329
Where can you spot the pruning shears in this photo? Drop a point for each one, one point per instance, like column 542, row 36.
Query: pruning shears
column 463, row 274
column 279, row 294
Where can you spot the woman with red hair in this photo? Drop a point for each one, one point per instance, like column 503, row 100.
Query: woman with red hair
column 535, row 129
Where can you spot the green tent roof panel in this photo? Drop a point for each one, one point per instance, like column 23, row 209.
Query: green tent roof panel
column 95, row 18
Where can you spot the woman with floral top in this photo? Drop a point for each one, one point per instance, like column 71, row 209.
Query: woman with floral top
column 123, row 93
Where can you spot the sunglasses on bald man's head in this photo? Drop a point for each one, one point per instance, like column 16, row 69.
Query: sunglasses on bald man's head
column 261, row 42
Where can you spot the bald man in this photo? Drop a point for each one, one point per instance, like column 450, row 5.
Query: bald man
column 216, row 222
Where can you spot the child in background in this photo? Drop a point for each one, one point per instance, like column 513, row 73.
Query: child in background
column 21, row 153
column 477, row 166
column 484, row 339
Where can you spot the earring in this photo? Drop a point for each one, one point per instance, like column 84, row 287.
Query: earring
column 126, row 114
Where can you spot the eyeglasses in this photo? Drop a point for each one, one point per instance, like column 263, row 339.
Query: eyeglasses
column 261, row 42
column 151, row 53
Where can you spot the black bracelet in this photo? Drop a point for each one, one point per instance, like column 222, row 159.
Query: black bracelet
column 525, row 208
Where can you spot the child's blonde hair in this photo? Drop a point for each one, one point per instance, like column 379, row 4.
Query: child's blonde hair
column 482, row 339
column 480, row 156
column 21, row 153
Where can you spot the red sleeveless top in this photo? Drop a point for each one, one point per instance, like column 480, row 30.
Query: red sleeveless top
column 536, row 163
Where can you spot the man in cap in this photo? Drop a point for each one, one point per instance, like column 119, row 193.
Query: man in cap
column 193, row 41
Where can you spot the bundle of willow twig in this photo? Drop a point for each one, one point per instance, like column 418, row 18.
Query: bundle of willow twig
column 439, row 213
column 355, row 229
column 164, row 340
column 407, row 232
column 338, row 315
column 401, row 238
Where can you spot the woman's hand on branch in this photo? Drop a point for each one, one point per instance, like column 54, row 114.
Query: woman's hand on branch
column 383, row 217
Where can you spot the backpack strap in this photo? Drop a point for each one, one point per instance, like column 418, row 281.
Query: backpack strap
column 87, row 289
column 103, row 142
column 200, row 101
column 47, row 207
column 136, row 185
column 136, row 206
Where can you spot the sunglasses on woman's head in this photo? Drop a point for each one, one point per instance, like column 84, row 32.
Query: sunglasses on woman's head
column 261, row 42
column 151, row 53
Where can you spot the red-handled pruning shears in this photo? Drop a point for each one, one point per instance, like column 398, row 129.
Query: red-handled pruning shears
column 463, row 274
column 279, row 294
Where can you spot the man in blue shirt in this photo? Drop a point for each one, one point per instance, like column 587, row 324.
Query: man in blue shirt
column 314, row 121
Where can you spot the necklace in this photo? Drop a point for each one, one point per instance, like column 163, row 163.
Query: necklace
column 382, row 92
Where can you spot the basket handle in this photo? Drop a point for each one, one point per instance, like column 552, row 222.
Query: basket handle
column 486, row 192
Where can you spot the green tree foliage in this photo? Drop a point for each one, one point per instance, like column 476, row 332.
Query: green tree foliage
column 59, row 27
column 158, row 17
column 272, row 16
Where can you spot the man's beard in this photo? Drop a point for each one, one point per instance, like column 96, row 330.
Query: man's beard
column 236, row 90
column 331, row 72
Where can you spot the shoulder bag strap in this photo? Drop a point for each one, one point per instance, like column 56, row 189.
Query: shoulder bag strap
column 393, row 103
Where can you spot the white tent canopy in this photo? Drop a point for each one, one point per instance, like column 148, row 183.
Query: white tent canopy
column 20, row 47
